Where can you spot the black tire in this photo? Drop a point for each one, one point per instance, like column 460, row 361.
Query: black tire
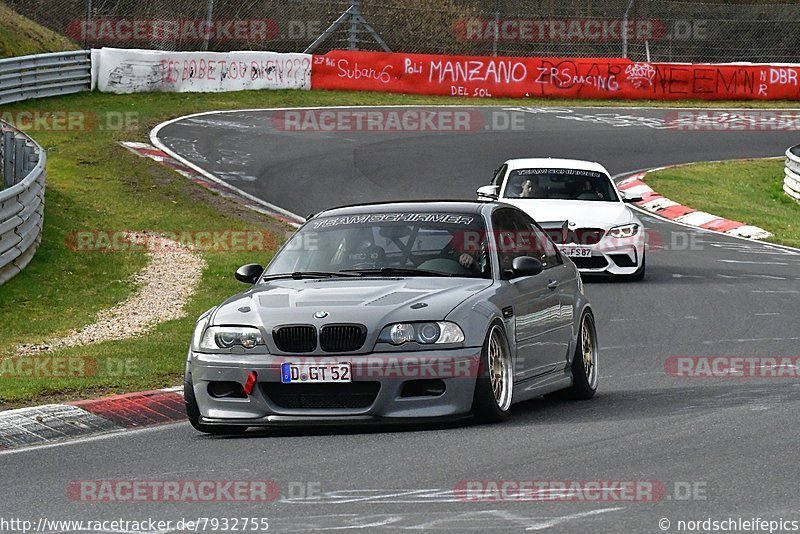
column 485, row 404
column 193, row 413
column 584, row 377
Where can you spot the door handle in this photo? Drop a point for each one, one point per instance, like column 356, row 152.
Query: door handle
column 553, row 284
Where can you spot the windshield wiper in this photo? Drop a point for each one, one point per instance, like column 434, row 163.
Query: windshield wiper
column 392, row 271
column 299, row 275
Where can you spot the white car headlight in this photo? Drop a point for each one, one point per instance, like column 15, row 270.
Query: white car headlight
column 423, row 333
column 226, row 337
column 626, row 230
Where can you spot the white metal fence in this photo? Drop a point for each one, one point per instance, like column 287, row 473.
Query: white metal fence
column 791, row 179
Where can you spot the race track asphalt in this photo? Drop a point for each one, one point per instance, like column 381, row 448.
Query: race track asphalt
column 734, row 440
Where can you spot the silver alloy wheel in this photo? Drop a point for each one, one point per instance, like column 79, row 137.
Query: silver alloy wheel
column 589, row 350
column 500, row 372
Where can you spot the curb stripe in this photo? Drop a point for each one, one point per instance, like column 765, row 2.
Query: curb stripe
column 135, row 410
column 676, row 211
column 655, row 203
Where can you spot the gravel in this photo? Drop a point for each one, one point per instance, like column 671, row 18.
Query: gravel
column 165, row 285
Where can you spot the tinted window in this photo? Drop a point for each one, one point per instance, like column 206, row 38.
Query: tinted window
column 560, row 184
column 451, row 243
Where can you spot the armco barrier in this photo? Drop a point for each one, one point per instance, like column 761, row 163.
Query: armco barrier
column 21, row 200
column 44, row 75
column 552, row 77
column 791, row 179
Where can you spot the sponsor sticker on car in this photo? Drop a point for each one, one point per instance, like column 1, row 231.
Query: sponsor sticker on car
column 315, row 373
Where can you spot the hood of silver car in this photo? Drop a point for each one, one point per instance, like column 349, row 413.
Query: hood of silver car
column 373, row 302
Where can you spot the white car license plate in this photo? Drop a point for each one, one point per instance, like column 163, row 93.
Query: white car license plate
column 576, row 252
column 315, row 372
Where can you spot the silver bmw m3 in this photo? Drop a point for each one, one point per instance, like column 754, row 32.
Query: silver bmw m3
column 395, row 312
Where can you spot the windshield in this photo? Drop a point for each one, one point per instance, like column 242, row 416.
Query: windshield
column 560, row 184
column 447, row 243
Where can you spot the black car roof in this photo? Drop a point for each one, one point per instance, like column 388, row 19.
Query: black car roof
column 405, row 206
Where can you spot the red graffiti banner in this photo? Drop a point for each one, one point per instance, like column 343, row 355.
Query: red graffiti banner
column 596, row 78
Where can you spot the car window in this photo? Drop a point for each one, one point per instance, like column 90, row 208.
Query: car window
column 517, row 235
column 560, row 184
column 447, row 243
column 552, row 256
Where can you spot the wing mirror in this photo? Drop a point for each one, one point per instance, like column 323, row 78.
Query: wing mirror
column 526, row 266
column 250, row 273
column 488, row 192
column 630, row 199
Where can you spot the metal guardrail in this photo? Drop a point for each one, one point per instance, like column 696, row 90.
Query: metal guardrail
column 21, row 200
column 45, row 75
column 22, row 160
column 791, row 179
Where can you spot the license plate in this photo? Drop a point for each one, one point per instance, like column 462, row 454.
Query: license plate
column 576, row 252
column 315, row 372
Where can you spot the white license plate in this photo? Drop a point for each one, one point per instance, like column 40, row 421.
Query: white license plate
column 315, row 372
column 576, row 252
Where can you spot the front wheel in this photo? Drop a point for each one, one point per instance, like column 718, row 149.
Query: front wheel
column 495, row 382
column 584, row 363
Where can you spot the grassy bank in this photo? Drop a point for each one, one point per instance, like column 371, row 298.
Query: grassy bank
column 749, row 191
column 20, row 36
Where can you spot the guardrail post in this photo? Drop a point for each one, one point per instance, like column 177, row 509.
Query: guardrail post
column 8, row 158
column 31, row 158
column 19, row 158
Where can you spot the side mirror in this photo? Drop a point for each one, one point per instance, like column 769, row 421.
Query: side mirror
column 488, row 192
column 630, row 199
column 250, row 273
column 526, row 266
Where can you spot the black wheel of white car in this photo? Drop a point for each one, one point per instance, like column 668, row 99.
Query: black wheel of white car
column 585, row 362
column 495, row 382
column 193, row 414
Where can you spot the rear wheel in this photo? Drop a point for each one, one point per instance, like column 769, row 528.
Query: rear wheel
column 193, row 413
column 495, row 382
column 584, row 363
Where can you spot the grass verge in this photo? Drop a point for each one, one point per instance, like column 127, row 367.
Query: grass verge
column 749, row 191
column 93, row 183
column 20, row 36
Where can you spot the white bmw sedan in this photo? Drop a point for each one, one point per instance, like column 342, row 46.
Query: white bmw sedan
column 577, row 203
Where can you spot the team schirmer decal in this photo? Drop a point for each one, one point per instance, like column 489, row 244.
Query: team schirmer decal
column 446, row 218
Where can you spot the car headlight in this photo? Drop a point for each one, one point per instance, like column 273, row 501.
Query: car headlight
column 423, row 333
column 626, row 230
column 226, row 337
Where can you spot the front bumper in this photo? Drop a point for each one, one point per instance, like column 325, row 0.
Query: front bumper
column 614, row 256
column 384, row 373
